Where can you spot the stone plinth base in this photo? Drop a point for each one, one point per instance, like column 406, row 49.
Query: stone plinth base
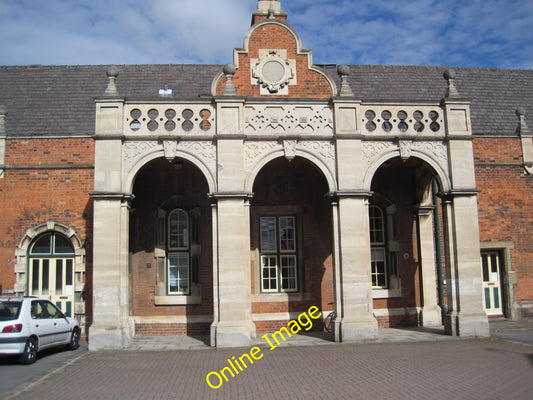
column 233, row 334
column 461, row 324
column 357, row 330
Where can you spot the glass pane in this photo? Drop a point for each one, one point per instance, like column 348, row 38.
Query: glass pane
column 59, row 277
column 178, row 229
column 63, row 245
column 494, row 263
column 288, row 272
column 173, row 273
column 378, row 255
column 269, row 273
column 46, row 274
column 496, row 298
column 377, row 233
column 173, row 286
column 485, row 267
column 487, row 298
column 287, row 234
column 42, row 245
column 35, row 278
column 268, row 233
column 70, row 274
column 53, row 311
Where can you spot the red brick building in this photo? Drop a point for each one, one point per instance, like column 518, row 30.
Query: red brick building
column 226, row 200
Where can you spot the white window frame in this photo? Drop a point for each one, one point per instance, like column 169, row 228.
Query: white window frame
column 273, row 250
column 178, row 249
column 378, row 245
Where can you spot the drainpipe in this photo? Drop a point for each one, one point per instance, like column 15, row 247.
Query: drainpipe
column 436, row 216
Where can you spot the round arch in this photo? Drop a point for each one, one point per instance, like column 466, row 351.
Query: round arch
column 442, row 175
column 252, row 175
column 21, row 253
column 132, row 173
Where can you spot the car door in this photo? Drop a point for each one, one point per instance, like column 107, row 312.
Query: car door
column 43, row 324
column 60, row 323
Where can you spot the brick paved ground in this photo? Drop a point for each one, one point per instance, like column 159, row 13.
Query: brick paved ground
column 453, row 369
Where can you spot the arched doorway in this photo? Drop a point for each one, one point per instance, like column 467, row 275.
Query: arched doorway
column 51, row 264
column 171, row 250
column 404, row 239
column 51, row 270
column 290, row 242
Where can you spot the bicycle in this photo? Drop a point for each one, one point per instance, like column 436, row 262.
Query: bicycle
column 329, row 321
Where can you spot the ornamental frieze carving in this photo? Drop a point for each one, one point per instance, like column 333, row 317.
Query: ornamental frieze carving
column 372, row 149
column 288, row 119
column 134, row 151
column 436, row 150
column 322, row 150
column 254, row 151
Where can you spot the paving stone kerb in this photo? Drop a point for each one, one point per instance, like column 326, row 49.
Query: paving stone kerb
column 473, row 369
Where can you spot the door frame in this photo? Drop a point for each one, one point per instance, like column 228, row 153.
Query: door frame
column 507, row 275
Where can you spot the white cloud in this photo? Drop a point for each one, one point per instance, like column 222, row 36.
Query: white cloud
column 484, row 33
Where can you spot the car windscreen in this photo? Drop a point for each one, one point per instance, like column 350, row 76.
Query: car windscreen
column 9, row 310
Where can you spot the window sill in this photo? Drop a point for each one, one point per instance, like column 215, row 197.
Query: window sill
column 279, row 297
column 162, row 299
column 386, row 293
column 177, row 300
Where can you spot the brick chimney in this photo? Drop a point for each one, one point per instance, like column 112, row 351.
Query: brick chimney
column 268, row 9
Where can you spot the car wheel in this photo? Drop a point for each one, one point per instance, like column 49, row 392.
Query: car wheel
column 30, row 352
column 74, row 339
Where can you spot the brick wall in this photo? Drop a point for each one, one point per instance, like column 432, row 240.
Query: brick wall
column 30, row 196
column 157, row 183
column 296, row 188
column 506, row 208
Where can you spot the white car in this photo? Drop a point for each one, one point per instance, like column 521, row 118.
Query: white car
column 30, row 324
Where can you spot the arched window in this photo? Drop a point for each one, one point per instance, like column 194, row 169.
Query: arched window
column 51, row 269
column 378, row 247
column 178, row 253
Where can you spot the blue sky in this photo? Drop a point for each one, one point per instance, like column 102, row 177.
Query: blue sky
column 466, row 33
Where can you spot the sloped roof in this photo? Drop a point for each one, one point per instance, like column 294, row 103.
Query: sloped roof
column 495, row 94
column 59, row 100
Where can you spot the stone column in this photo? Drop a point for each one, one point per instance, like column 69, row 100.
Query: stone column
column 431, row 313
column 358, row 321
column 465, row 297
column 355, row 282
column 336, row 272
column 233, row 325
column 112, row 325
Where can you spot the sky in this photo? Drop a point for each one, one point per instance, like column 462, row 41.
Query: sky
column 461, row 33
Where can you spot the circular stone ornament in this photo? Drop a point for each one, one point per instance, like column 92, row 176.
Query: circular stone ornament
column 273, row 72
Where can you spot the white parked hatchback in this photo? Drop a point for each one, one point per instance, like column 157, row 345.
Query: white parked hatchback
column 30, row 324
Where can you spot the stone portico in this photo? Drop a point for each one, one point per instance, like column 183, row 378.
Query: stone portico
column 270, row 107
